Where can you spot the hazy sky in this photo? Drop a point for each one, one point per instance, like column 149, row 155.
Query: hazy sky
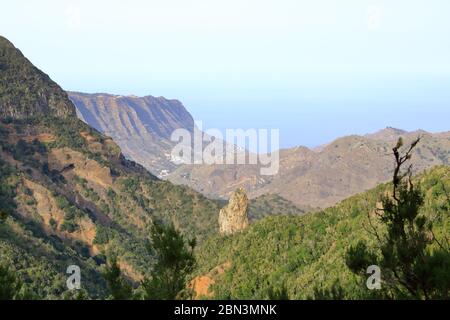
column 314, row 69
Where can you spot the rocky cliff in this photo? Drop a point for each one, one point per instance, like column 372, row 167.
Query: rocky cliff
column 142, row 126
column 317, row 177
column 234, row 217
column 137, row 116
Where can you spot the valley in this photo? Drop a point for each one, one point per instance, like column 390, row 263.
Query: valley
column 87, row 180
column 318, row 177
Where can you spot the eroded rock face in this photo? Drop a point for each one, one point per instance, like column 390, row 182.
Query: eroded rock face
column 141, row 126
column 234, row 217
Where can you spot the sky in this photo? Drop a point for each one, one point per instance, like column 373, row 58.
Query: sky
column 315, row 70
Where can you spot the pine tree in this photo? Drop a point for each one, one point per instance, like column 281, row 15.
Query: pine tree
column 175, row 261
column 413, row 263
column 9, row 284
column 119, row 288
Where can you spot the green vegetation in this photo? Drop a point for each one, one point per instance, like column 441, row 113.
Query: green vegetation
column 125, row 212
column 71, row 214
column 175, row 261
column 7, row 190
column 39, row 263
column 37, row 125
column 103, row 235
column 290, row 256
column 307, row 253
column 119, row 288
column 273, row 205
column 412, row 266
column 25, row 152
column 9, row 284
column 25, row 90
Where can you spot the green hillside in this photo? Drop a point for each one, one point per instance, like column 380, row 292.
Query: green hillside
column 27, row 91
column 307, row 253
column 69, row 196
column 61, row 213
column 274, row 205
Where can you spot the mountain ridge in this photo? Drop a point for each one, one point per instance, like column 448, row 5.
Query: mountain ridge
column 26, row 91
column 317, row 177
column 142, row 126
column 70, row 197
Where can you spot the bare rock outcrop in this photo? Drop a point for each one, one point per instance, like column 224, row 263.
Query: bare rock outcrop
column 234, row 217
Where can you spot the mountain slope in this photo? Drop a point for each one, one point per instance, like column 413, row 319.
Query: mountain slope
column 71, row 197
column 308, row 178
column 26, row 91
column 307, row 252
column 274, row 205
column 321, row 178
